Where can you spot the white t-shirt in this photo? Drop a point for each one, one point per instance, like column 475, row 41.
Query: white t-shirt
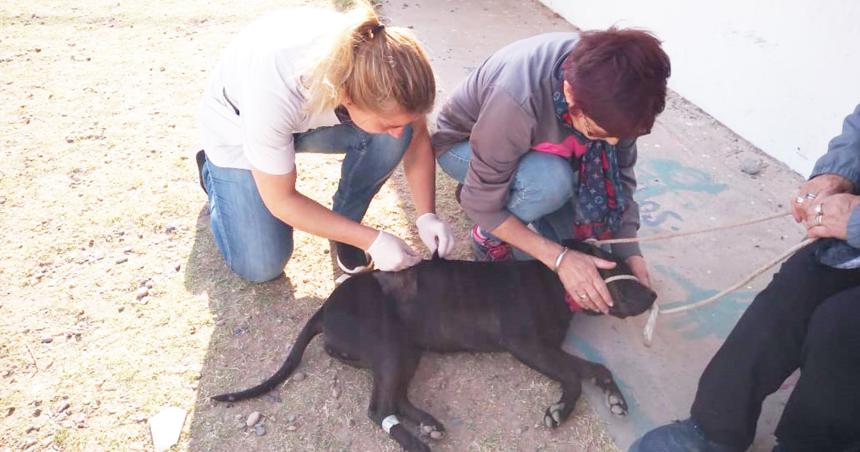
column 259, row 72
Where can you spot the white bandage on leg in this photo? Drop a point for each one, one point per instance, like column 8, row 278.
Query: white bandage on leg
column 389, row 422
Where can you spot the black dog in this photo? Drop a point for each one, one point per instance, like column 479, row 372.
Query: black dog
column 384, row 321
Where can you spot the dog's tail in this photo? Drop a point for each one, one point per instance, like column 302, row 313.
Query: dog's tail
column 311, row 329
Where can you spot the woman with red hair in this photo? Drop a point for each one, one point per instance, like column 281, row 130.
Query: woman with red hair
column 542, row 137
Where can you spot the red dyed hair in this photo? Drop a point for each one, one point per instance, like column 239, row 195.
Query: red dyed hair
column 618, row 78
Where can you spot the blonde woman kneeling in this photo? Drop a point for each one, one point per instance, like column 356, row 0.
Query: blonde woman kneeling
column 314, row 80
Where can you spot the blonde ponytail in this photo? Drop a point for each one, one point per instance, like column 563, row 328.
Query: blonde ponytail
column 374, row 66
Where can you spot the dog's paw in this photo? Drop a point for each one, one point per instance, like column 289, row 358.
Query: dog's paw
column 554, row 415
column 614, row 399
column 616, row 403
column 435, row 432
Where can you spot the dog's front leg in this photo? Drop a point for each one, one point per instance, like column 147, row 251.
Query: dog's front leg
column 429, row 425
column 383, row 403
column 558, row 365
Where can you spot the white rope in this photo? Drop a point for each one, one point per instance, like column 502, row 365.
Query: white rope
column 650, row 325
column 684, row 234
column 620, row 277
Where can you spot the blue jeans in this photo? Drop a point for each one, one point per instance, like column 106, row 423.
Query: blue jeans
column 256, row 245
column 541, row 190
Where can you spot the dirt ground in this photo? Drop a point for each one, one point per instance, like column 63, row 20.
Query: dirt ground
column 114, row 301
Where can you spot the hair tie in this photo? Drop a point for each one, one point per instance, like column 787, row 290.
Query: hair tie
column 375, row 30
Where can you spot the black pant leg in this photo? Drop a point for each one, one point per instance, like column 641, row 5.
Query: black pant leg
column 823, row 412
column 764, row 348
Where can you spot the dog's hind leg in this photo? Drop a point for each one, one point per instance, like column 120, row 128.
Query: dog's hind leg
column 561, row 367
column 383, row 409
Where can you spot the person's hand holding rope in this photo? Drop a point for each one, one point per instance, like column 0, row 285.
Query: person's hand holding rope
column 828, row 216
column 817, row 187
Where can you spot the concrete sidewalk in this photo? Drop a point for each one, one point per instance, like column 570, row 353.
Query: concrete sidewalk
column 690, row 177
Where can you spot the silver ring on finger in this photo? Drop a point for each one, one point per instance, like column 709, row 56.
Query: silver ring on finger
column 818, row 219
column 819, row 209
column 811, row 196
column 582, row 296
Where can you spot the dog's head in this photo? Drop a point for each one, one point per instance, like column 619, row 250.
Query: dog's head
column 630, row 297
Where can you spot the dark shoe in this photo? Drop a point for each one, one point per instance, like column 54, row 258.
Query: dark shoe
column 679, row 436
column 488, row 249
column 201, row 159
column 351, row 259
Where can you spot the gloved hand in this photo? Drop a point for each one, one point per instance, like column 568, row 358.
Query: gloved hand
column 390, row 253
column 432, row 230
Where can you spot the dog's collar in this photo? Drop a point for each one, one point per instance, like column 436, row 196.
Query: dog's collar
column 620, row 277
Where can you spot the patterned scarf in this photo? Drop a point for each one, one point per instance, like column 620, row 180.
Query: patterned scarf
column 598, row 204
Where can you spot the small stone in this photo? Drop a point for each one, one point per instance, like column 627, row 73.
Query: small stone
column 351, row 422
column 142, row 292
column 177, row 267
column 121, row 260
column 299, row 376
column 291, row 428
column 64, row 407
column 752, row 166
column 435, row 434
column 260, row 429
column 291, row 418
column 149, row 284
column 253, row 418
column 37, row 412
column 335, row 393
column 47, row 340
column 80, row 419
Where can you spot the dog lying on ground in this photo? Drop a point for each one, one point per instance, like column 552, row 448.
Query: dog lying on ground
column 384, row 321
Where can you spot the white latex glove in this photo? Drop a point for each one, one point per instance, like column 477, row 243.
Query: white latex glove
column 432, row 230
column 389, row 253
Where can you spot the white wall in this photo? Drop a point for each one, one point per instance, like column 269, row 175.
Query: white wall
column 782, row 74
